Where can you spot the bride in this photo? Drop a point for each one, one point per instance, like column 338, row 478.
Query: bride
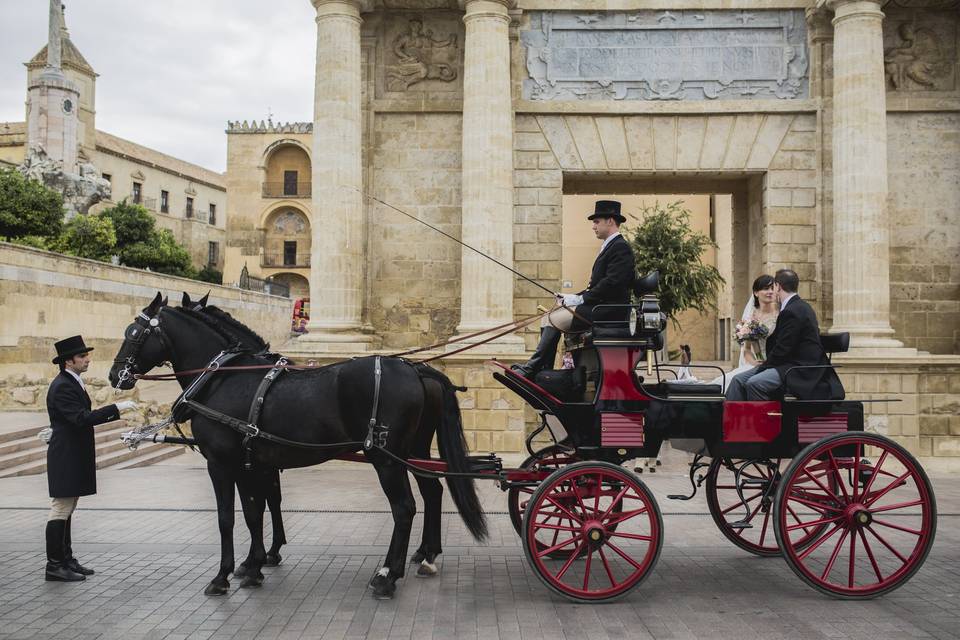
column 762, row 307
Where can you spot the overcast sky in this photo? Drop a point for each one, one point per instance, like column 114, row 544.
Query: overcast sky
column 172, row 72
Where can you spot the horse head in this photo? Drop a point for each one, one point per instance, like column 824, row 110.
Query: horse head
column 143, row 346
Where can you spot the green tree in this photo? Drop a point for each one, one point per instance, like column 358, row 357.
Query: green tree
column 665, row 241
column 28, row 208
column 210, row 274
column 161, row 253
column 132, row 222
column 87, row 236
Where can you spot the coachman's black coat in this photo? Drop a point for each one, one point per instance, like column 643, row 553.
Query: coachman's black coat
column 611, row 279
column 795, row 342
column 71, row 456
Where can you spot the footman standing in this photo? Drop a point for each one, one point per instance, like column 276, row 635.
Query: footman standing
column 71, row 456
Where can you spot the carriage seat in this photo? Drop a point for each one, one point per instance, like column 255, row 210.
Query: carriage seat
column 693, row 389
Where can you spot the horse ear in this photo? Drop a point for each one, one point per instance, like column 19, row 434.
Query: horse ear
column 185, row 301
column 203, row 301
column 163, row 302
column 155, row 304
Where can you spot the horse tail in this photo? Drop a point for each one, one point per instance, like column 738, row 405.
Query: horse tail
column 453, row 450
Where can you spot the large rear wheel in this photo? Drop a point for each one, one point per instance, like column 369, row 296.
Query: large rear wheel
column 592, row 531
column 879, row 516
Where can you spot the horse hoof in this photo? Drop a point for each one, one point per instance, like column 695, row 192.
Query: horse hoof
column 418, row 557
column 251, row 581
column 427, row 570
column 241, row 570
column 273, row 560
column 383, row 589
column 216, row 589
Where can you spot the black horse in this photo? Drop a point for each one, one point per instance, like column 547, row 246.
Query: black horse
column 430, row 488
column 327, row 407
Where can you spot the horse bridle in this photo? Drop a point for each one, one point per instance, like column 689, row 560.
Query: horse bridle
column 149, row 326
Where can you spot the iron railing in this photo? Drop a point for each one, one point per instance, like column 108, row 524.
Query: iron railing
column 195, row 214
column 281, row 189
column 252, row 283
column 150, row 204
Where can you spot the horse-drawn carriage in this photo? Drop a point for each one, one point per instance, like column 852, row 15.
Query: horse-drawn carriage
column 853, row 513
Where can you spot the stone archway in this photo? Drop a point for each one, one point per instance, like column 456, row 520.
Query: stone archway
column 299, row 285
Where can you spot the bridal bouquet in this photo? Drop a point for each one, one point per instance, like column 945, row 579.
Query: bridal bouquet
column 751, row 331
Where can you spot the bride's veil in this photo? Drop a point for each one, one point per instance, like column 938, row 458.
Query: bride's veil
column 747, row 313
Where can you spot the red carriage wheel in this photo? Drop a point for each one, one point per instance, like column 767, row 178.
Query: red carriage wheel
column 880, row 516
column 759, row 480
column 548, row 460
column 610, row 536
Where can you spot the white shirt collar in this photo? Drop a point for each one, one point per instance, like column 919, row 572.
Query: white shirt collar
column 786, row 300
column 608, row 241
column 77, row 376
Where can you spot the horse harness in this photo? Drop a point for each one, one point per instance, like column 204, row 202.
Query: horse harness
column 185, row 404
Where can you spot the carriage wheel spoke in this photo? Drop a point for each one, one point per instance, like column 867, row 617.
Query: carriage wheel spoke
column 606, row 566
column 812, row 523
column 549, row 550
column 596, row 496
column 564, row 509
column 586, row 571
column 838, row 475
column 740, row 504
column 573, row 556
column 825, row 489
column 857, row 448
column 876, row 472
column 869, row 552
column 887, row 544
column 833, row 556
column 900, row 505
column 626, row 515
column 815, row 505
column 884, row 523
column 624, row 555
column 556, row 527
column 813, row 547
column 763, row 531
column 870, row 499
column 632, row 536
column 616, row 501
column 853, row 559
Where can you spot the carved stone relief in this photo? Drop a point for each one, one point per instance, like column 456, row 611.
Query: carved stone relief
column 290, row 223
column 421, row 55
column 666, row 55
column 920, row 50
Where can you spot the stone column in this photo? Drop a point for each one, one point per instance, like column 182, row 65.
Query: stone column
column 487, row 183
column 861, row 235
column 337, row 260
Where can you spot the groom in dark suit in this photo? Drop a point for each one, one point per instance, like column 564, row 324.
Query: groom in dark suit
column 795, row 342
column 611, row 281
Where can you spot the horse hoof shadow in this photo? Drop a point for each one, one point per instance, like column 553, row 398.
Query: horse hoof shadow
column 427, row 570
column 273, row 560
column 251, row 581
column 216, row 589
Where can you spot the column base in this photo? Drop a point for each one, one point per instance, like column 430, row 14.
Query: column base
column 510, row 344
column 322, row 341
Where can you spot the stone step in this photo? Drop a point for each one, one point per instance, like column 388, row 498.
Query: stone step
column 19, row 434
column 163, row 452
column 107, row 459
column 18, row 452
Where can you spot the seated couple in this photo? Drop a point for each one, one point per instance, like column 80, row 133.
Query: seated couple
column 793, row 341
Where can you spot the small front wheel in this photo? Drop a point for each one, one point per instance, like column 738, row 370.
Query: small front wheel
column 875, row 517
column 592, row 531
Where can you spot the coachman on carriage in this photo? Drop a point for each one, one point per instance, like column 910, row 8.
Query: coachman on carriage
column 852, row 513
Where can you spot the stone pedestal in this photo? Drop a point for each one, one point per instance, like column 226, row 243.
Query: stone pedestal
column 337, row 261
column 487, row 201
column 861, row 235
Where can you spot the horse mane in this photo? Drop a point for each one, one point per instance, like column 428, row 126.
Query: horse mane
column 225, row 318
column 212, row 322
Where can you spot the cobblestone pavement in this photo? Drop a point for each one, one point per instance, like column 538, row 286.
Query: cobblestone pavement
column 151, row 535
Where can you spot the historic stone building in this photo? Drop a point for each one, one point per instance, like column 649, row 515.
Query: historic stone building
column 834, row 126
column 61, row 121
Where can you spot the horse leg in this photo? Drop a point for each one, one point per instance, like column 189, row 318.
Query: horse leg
column 252, row 499
column 432, row 492
column 223, row 488
column 276, row 519
column 396, row 485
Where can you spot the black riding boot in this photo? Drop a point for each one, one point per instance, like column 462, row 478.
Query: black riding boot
column 57, row 569
column 68, row 558
column 544, row 355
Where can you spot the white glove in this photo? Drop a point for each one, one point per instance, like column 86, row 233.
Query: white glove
column 572, row 299
column 126, row 405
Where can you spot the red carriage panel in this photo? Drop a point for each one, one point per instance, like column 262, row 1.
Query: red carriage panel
column 751, row 421
column 621, row 429
column 619, row 382
column 812, row 428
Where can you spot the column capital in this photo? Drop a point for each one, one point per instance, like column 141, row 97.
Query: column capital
column 350, row 8
column 818, row 24
column 497, row 7
column 843, row 9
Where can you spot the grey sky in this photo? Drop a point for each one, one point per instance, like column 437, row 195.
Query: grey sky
column 172, row 72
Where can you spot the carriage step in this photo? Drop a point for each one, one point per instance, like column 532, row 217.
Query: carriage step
column 740, row 525
column 678, row 496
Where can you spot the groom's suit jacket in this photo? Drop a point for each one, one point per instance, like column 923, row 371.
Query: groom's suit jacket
column 796, row 342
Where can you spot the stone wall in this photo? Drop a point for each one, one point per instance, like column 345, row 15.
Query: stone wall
column 924, row 209
column 46, row 297
column 415, row 272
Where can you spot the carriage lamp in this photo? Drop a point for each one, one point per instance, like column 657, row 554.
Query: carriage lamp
column 633, row 321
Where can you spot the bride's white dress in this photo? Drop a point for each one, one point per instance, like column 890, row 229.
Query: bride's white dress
column 743, row 365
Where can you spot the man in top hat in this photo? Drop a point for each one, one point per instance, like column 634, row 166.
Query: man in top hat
column 611, row 282
column 71, row 456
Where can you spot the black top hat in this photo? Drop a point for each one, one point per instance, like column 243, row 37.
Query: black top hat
column 69, row 347
column 607, row 209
